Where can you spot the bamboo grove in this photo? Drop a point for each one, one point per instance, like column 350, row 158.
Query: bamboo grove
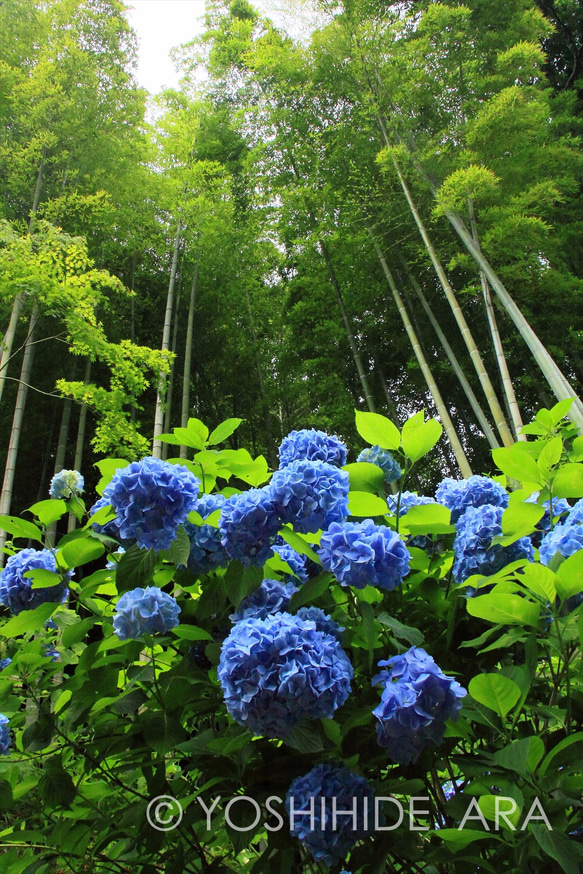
column 383, row 216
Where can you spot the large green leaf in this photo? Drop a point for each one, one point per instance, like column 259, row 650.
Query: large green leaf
column 20, row 528
column 43, row 579
column 48, row 511
column 377, row 430
column 568, row 853
column 427, row 519
column 420, row 437
column 135, row 568
column 81, row 551
column 495, row 691
column 568, row 481
column 413, row 636
column 224, row 430
column 240, row 581
column 365, row 504
column 297, row 542
column 28, row 620
column 310, row 590
column 516, row 462
column 503, row 609
column 521, row 756
column 365, row 477
column 518, row 520
column 569, row 578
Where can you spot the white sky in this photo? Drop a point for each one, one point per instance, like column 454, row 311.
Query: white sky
column 162, row 25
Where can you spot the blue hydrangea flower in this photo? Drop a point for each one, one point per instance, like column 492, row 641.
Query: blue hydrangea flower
column 417, row 699
column 66, row 483
column 270, row 597
column 297, row 562
column 561, row 509
column 16, row 590
column 472, row 546
column 408, row 500
column 450, row 788
column 566, row 539
column 476, row 491
column 314, row 802
column 323, row 622
column 575, row 516
column 312, row 445
column 310, row 495
column 110, row 529
column 151, row 499
column 4, row 663
column 206, row 550
column 248, row 523
column 383, row 459
column 364, row 554
column 274, row 672
column 5, row 740
column 52, row 653
column 145, row 611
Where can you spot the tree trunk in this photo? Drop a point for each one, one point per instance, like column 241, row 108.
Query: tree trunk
column 170, row 390
column 8, row 341
column 507, row 386
column 485, row 381
column 454, row 440
column 185, row 412
column 160, row 396
column 271, row 449
column 456, row 367
column 17, row 420
column 80, row 444
column 347, row 327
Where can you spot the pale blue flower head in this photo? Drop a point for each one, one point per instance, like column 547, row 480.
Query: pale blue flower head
column 383, row 459
column 277, row 671
column 16, row 590
column 312, row 445
column 66, row 483
column 329, row 838
column 310, row 495
column 145, row 611
column 248, row 524
column 475, row 491
column 152, row 498
column 416, row 701
column 5, row 740
column 473, row 549
column 364, row 554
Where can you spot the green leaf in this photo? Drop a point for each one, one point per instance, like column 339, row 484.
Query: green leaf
column 518, row 520
column 576, row 453
column 48, row 511
column 503, row 609
column 367, row 632
column 310, row 591
column 28, row 620
column 559, row 847
column 427, row 519
column 224, row 430
column 377, row 430
column 171, row 439
column 192, row 439
column 365, row 477
column 75, row 633
column 107, row 467
column 561, row 747
column 569, row 579
column 495, row 691
column 420, row 437
column 135, row 568
column 365, row 504
column 255, row 473
column 179, row 551
column 56, row 785
column 413, row 636
column 297, row 542
column 560, row 410
column 305, row 738
column 521, row 756
column 516, row 462
column 20, row 528
column 568, row 481
column 540, row 580
column 43, row 579
column 496, row 809
column 101, row 517
column 191, row 632
column 163, row 733
column 240, row 581
column 81, row 551
column 550, row 454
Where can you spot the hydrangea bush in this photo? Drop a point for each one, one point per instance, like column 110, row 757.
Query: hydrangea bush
column 295, row 642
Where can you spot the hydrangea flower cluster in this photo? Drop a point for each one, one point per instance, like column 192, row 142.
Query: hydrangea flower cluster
column 383, row 459
column 565, row 538
column 4, row 663
column 270, row 597
column 311, row 445
column 316, row 805
column 276, row 671
column 207, row 552
column 408, row 500
column 310, row 495
column 66, row 483
column 16, row 590
column 151, row 499
column 473, row 549
column 323, row 622
column 110, row 529
column 248, row 523
column 417, row 699
column 145, row 611
column 476, row 491
column 5, row 740
column 364, row 554
column 561, row 509
column 296, row 561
